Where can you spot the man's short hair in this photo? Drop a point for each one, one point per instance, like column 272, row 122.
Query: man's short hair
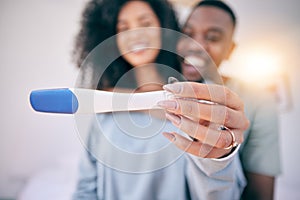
column 218, row 4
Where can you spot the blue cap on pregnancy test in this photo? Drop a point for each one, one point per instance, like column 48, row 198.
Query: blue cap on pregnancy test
column 54, row 101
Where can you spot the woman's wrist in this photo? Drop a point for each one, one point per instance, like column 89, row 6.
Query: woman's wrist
column 228, row 152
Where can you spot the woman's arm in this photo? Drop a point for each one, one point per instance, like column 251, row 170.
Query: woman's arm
column 88, row 174
column 87, row 180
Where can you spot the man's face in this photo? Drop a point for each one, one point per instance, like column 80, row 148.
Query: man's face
column 212, row 28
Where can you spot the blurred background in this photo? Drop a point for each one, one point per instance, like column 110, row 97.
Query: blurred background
column 39, row 151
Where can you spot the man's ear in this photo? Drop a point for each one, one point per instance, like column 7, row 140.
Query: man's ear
column 232, row 48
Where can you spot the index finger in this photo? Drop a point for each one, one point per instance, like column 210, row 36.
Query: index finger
column 210, row 92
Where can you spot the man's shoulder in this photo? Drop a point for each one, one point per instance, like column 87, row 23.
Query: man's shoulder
column 253, row 95
column 246, row 88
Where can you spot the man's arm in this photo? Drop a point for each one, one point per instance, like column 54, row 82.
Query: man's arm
column 258, row 187
column 261, row 155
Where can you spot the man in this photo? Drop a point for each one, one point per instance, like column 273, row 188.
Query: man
column 212, row 24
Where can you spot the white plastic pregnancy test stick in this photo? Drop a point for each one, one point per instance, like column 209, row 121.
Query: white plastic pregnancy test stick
column 76, row 100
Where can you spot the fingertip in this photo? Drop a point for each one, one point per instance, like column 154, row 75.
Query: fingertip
column 170, row 136
column 172, row 80
column 174, row 88
column 176, row 120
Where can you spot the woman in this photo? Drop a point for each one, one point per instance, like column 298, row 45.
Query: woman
column 101, row 24
column 127, row 157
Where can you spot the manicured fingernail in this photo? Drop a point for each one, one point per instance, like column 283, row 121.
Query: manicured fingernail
column 172, row 80
column 174, row 88
column 168, row 104
column 169, row 136
column 173, row 118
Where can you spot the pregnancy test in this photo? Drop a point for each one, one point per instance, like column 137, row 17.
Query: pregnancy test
column 77, row 100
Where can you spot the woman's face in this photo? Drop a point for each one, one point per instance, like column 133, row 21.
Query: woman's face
column 138, row 46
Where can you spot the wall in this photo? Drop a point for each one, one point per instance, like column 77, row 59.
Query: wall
column 36, row 39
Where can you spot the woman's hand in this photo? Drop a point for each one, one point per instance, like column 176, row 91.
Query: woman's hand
column 213, row 127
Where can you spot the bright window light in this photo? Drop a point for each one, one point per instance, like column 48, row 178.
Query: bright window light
column 259, row 66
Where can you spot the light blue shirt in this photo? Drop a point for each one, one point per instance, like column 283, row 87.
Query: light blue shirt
column 128, row 158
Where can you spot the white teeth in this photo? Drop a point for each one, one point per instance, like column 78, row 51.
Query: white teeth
column 138, row 47
column 195, row 61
